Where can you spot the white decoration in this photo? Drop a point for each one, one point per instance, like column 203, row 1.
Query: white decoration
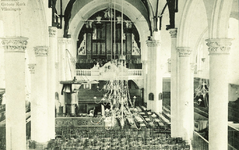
column 82, row 48
column 135, row 48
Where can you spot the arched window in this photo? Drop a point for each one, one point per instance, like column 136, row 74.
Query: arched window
column 160, row 96
column 151, row 96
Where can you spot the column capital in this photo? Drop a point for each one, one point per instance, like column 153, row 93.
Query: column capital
column 219, row 46
column 173, row 32
column 41, row 51
column 153, row 43
column 68, row 41
column 52, row 31
column 62, row 40
column 32, row 68
column 14, row 44
column 184, row 51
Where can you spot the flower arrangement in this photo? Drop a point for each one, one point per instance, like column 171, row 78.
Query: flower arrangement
column 202, row 88
column 202, row 92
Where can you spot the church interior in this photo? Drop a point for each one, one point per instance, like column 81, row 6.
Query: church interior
column 119, row 74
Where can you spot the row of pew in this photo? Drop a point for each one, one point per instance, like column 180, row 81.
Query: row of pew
column 146, row 130
column 119, row 139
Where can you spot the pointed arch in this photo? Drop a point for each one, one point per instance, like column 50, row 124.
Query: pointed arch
column 218, row 25
column 90, row 8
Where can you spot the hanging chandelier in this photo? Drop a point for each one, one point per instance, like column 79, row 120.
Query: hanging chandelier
column 117, row 96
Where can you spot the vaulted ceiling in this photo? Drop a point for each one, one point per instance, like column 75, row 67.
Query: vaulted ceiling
column 151, row 10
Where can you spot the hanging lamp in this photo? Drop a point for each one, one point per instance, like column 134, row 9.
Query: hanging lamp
column 116, row 90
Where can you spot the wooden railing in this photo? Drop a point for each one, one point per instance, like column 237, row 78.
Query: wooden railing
column 135, row 72
column 200, row 143
column 83, row 72
column 233, row 136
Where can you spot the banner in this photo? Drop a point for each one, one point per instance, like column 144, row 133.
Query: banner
column 82, row 48
column 135, row 48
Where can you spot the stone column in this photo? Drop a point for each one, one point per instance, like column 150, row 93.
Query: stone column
column 51, row 79
column 218, row 92
column 185, row 100
column 40, row 121
column 191, row 110
column 57, row 86
column 61, row 55
column 15, row 92
column 144, row 69
column 61, row 70
column 2, row 70
column 70, row 61
column 34, row 106
column 154, row 77
column 174, row 85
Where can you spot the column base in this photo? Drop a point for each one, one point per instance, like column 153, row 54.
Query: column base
column 158, row 106
column 149, row 104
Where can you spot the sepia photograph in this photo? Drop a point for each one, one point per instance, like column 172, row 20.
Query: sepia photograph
column 119, row 75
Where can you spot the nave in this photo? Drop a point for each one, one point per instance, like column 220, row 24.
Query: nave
column 175, row 59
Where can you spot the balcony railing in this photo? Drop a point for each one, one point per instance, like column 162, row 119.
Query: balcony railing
column 233, row 136
column 135, row 72
column 109, row 71
column 200, row 143
column 92, row 74
column 83, row 72
column 89, row 72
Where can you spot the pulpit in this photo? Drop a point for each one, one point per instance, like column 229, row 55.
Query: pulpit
column 70, row 97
